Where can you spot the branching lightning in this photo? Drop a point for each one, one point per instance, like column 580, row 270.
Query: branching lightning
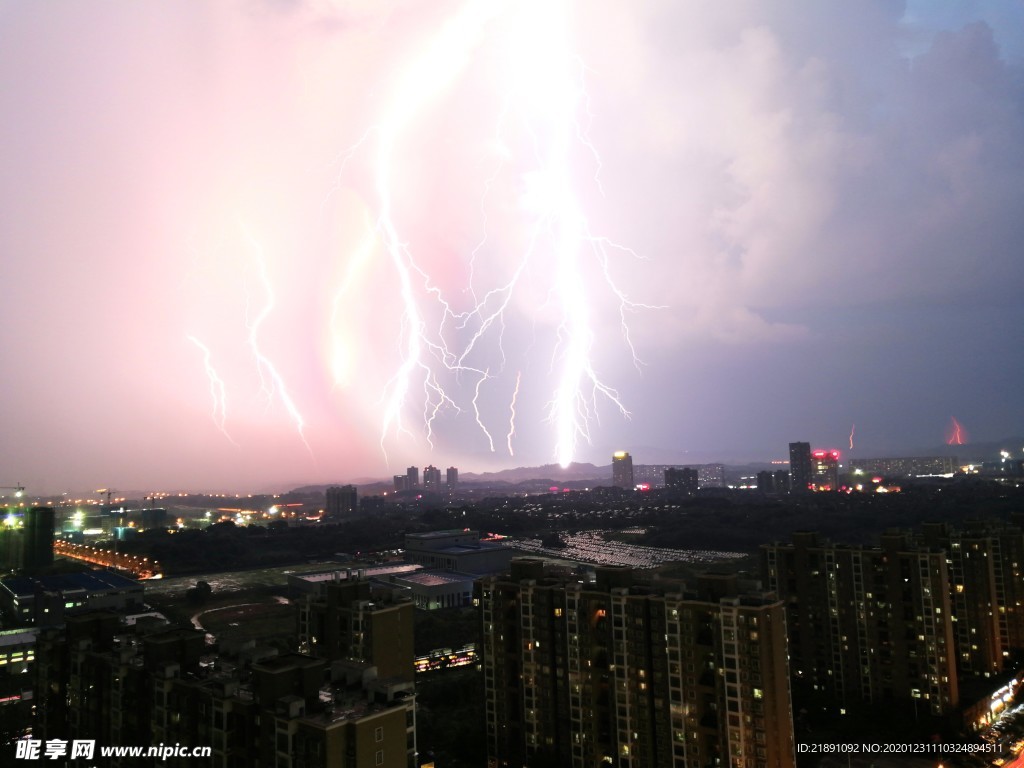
column 853, row 428
column 271, row 380
column 553, row 265
column 543, row 99
column 443, row 59
column 217, row 391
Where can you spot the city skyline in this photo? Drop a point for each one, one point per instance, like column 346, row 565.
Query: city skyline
column 207, row 212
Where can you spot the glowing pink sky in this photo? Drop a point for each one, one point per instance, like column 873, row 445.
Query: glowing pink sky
column 823, row 202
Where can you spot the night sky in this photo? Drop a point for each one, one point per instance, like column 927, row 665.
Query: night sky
column 251, row 244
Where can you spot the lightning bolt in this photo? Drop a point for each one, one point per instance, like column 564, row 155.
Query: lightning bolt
column 271, row 380
column 512, row 416
column 476, row 410
column 217, row 391
column 853, row 429
column 433, row 69
column 545, row 94
column 956, row 435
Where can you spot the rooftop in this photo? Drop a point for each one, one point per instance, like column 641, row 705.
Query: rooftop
column 88, row 581
column 437, row 578
column 369, row 571
column 442, row 534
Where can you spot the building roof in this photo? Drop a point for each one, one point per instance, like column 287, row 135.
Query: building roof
column 367, row 572
column 88, row 581
column 18, row 637
column 441, row 534
column 436, row 578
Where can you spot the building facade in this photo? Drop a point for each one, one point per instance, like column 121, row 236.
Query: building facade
column 867, row 624
column 800, row 467
column 916, row 466
column 342, row 502
column 825, row 470
column 683, row 479
column 432, row 478
column 622, row 470
column 98, row 680
column 344, row 620
column 26, row 540
column 711, row 475
column 613, row 672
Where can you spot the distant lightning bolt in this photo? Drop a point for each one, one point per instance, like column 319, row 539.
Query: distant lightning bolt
column 512, row 416
column 956, row 435
column 853, row 429
column 476, row 410
column 217, row 391
column 266, row 368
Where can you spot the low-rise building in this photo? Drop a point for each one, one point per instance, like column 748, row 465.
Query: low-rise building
column 45, row 600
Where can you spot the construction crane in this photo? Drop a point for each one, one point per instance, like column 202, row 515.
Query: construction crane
column 108, row 491
column 19, row 490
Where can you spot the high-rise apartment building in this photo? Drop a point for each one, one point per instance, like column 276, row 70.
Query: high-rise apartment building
column 800, row 472
column 711, row 475
column 986, row 588
column 341, row 502
column 345, row 620
column 39, row 539
column 773, row 482
column 432, row 478
column 782, row 481
column 622, row 470
column 868, row 624
column 825, row 470
column 26, row 540
column 616, row 672
column 113, row 684
column 452, row 478
column 652, row 475
column 412, row 475
column 682, row 479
